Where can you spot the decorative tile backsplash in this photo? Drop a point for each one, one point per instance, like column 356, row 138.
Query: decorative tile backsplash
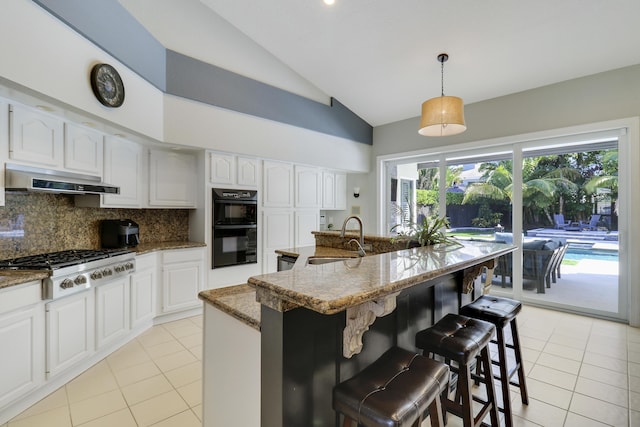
column 32, row 223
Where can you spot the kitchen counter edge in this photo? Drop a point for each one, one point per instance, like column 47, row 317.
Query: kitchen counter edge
column 239, row 301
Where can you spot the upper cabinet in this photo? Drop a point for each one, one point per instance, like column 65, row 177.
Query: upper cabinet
column 82, row 150
column 334, row 190
column 278, row 184
column 232, row 170
column 35, row 137
column 124, row 167
column 308, row 187
column 172, row 179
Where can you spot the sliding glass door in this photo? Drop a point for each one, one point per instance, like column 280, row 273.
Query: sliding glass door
column 561, row 205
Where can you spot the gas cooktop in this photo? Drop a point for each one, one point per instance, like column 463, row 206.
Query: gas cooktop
column 61, row 259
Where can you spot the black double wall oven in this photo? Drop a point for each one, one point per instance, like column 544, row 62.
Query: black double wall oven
column 235, row 227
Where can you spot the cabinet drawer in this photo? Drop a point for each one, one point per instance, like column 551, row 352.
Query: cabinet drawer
column 146, row 261
column 182, row 255
column 20, row 296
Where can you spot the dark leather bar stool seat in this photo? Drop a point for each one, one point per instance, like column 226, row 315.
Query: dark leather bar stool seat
column 462, row 339
column 394, row 391
column 502, row 312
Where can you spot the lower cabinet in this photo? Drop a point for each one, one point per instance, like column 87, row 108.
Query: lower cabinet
column 22, row 354
column 70, row 331
column 182, row 279
column 112, row 311
column 143, row 290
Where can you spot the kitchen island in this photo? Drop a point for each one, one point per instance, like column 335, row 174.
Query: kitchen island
column 321, row 324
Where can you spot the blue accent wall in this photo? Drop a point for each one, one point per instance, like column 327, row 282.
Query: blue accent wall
column 110, row 26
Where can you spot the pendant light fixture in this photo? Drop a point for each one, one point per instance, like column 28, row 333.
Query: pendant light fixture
column 443, row 115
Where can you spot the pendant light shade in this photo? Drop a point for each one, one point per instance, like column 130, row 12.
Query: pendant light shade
column 444, row 115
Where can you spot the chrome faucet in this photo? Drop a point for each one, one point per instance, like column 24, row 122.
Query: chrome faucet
column 344, row 227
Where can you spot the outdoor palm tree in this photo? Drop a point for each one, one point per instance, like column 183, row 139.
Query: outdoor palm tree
column 538, row 193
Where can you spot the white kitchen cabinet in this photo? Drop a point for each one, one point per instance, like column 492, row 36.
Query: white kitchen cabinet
column 222, row 168
column 172, row 179
column 83, row 152
column 22, row 337
column 182, row 279
column 328, row 190
column 124, row 167
column 233, row 170
column 247, row 172
column 341, row 191
column 306, row 221
column 308, row 187
column 278, row 184
column 334, row 190
column 70, row 331
column 143, row 290
column 278, row 234
column 35, row 138
column 112, row 311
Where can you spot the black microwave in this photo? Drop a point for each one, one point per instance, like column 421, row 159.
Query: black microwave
column 235, row 227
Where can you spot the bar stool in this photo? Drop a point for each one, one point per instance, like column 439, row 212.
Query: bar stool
column 500, row 312
column 394, row 391
column 461, row 339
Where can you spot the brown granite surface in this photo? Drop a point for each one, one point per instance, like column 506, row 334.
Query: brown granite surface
column 34, row 223
column 379, row 244
column 18, row 277
column 239, row 301
column 334, row 287
column 144, row 248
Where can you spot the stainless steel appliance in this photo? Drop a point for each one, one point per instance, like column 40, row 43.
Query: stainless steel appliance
column 235, row 227
column 286, row 262
column 119, row 233
column 74, row 271
column 28, row 178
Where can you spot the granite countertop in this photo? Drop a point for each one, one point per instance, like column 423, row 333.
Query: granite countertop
column 334, row 287
column 18, row 277
column 239, row 301
column 144, row 248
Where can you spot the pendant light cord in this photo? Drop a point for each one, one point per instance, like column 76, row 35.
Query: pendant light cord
column 442, row 77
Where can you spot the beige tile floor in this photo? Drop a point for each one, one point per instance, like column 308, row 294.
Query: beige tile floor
column 581, row 372
column 154, row 380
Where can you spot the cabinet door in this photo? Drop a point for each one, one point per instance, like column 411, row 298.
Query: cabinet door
column 278, row 234
column 82, row 150
column 278, row 184
column 247, row 172
column 308, row 187
column 123, row 167
column 306, row 221
column 35, row 138
column 223, row 168
column 22, row 357
column 182, row 279
column 172, row 179
column 143, row 297
column 112, row 311
column 328, row 190
column 341, row 191
column 70, row 331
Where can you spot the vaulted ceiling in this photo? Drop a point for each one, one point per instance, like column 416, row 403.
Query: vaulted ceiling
column 378, row 57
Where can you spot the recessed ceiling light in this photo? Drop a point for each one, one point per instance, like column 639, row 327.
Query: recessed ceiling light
column 329, row 2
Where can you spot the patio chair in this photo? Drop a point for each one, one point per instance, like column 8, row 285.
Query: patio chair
column 559, row 221
column 592, row 225
column 539, row 263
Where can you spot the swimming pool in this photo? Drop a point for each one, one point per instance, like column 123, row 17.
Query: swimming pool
column 578, row 254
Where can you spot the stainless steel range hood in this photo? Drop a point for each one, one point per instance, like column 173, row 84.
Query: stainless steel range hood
column 27, row 178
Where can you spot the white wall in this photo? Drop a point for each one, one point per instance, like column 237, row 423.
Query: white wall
column 40, row 53
column 200, row 125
